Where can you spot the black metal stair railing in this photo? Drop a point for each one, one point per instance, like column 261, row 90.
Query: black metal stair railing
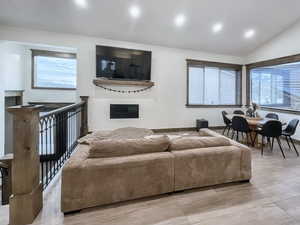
column 59, row 131
column 4, row 178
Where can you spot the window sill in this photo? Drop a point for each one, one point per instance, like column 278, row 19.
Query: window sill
column 288, row 111
column 52, row 88
column 212, row 106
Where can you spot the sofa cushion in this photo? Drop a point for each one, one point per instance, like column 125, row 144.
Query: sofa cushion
column 99, row 181
column 121, row 133
column 205, row 133
column 192, row 142
column 170, row 136
column 95, row 136
column 125, row 147
column 208, row 166
column 130, row 132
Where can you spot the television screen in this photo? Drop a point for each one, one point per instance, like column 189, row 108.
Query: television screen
column 123, row 64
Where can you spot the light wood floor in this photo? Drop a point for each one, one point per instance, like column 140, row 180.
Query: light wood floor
column 272, row 197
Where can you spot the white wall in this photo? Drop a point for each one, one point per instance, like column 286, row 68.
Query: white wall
column 12, row 59
column 43, row 95
column 163, row 106
column 11, row 78
column 2, row 137
column 287, row 43
column 1, row 103
column 15, row 75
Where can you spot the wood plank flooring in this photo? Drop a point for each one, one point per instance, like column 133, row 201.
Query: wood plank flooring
column 272, row 197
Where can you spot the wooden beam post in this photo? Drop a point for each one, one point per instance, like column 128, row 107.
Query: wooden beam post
column 84, row 129
column 26, row 200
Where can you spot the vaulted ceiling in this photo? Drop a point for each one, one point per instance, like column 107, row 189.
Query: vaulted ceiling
column 154, row 24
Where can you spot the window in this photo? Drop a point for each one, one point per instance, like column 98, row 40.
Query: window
column 276, row 86
column 53, row 70
column 213, row 84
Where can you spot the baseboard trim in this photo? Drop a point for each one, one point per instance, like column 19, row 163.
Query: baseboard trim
column 174, row 129
column 217, row 127
column 72, row 212
column 282, row 138
column 295, row 140
column 180, row 129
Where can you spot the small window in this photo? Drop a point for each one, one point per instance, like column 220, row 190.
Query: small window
column 53, row 70
column 213, row 84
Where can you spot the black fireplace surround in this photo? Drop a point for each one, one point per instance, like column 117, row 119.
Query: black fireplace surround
column 124, row 111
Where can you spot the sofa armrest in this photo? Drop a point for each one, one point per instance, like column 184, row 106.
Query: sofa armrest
column 246, row 163
column 211, row 166
column 246, row 158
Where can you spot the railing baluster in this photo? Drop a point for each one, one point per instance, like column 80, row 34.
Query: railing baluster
column 55, row 143
column 41, row 149
column 51, row 146
column 59, row 131
column 46, row 148
column 70, row 136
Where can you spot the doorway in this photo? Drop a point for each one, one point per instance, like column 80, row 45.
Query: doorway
column 9, row 102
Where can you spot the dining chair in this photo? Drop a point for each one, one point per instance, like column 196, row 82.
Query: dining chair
column 272, row 116
column 239, row 112
column 227, row 122
column 240, row 124
column 289, row 131
column 271, row 130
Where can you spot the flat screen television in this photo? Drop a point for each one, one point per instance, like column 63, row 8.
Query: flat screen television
column 123, row 64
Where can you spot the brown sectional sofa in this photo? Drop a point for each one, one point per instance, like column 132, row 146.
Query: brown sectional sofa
column 88, row 181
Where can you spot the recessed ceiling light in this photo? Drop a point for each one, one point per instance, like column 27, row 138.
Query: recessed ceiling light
column 217, row 27
column 180, row 20
column 249, row 33
column 81, row 3
column 135, row 11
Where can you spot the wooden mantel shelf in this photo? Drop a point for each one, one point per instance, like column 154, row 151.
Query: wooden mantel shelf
column 101, row 81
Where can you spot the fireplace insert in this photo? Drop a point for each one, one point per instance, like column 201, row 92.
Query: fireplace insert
column 124, row 111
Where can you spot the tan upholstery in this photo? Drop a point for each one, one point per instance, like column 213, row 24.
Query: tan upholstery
column 121, row 133
column 184, row 143
column 123, row 147
column 131, row 132
column 207, row 166
column 88, row 182
column 204, row 133
column 92, row 182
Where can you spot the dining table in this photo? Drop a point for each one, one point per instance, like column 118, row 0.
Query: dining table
column 254, row 124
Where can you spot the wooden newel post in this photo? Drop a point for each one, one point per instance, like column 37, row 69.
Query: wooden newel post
column 26, row 200
column 84, row 129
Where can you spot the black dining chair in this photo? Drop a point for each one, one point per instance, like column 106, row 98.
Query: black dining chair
column 272, row 116
column 289, row 131
column 239, row 112
column 227, row 122
column 240, row 125
column 271, row 130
